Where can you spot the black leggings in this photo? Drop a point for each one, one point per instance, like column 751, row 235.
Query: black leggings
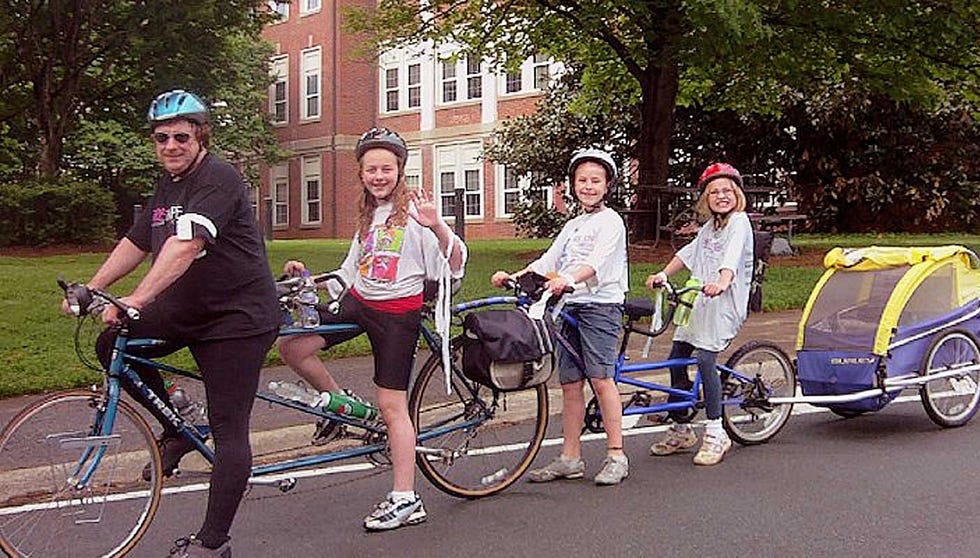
column 230, row 368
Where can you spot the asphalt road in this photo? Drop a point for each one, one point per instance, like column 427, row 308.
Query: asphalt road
column 885, row 484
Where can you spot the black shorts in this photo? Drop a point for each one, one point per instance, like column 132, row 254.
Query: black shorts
column 393, row 338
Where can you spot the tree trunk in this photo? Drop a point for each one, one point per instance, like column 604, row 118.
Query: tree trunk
column 658, row 88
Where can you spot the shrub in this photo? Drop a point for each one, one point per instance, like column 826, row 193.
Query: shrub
column 57, row 211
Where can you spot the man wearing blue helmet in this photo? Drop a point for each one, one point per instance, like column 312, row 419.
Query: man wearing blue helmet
column 209, row 289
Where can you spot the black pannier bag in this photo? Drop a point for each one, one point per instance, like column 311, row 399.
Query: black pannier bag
column 507, row 349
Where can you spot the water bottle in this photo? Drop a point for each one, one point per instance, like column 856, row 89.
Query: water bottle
column 494, row 478
column 307, row 299
column 682, row 316
column 293, row 392
column 188, row 409
column 344, row 404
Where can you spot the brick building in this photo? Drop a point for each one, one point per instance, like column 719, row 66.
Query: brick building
column 326, row 93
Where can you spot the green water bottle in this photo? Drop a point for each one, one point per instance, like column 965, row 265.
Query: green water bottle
column 682, row 316
column 343, row 404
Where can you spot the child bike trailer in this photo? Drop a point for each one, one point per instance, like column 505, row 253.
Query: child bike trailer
column 884, row 319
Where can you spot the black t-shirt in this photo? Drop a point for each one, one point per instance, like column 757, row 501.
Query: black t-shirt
column 228, row 291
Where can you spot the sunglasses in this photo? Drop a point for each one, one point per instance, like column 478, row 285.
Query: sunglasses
column 162, row 137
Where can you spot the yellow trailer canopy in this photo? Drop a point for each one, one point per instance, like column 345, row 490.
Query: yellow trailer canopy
column 867, row 293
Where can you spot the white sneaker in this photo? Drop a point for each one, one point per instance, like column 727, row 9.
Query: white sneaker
column 713, row 449
column 392, row 514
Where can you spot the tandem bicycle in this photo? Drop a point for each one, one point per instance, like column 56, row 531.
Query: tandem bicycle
column 81, row 474
column 756, row 372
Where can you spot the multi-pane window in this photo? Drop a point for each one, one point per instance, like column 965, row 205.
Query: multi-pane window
column 540, row 71
column 414, row 85
column 281, row 9
column 413, row 170
column 391, row 89
column 474, row 78
column 309, row 6
column 400, row 75
column 533, row 75
column 310, row 90
column 510, row 192
column 513, row 82
column 279, row 192
column 448, row 81
column 459, row 167
column 279, row 90
column 513, row 189
column 311, row 191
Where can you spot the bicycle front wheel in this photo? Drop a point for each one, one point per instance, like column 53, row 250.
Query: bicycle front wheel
column 474, row 441
column 66, row 488
column 762, row 370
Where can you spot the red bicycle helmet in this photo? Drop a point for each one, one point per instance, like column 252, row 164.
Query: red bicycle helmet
column 719, row 170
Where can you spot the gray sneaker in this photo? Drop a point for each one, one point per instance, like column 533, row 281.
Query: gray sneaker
column 614, row 469
column 560, row 468
column 678, row 438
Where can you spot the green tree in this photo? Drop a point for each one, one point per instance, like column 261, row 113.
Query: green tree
column 715, row 53
column 63, row 62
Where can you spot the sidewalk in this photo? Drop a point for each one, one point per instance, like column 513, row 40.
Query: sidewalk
column 272, row 426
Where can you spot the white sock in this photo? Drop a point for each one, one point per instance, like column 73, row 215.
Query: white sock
column 408, row 496
column 714, row 428
column 683, row 428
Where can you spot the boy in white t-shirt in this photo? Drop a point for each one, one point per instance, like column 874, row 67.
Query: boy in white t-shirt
column 591, row 250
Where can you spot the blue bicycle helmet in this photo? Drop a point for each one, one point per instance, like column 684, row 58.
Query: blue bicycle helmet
column 177, row 104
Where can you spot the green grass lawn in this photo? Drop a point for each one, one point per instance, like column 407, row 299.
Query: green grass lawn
column 37, row 354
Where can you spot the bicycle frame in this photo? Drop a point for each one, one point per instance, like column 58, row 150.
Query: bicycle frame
column 683, row 399
column 120, row 371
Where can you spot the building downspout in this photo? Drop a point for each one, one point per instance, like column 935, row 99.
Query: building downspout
column 333, row 119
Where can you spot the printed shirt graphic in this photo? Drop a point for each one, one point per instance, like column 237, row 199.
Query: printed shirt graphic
column 597, row 240
column 393, row 262
column 381, row 252
column 230, row 292
column 716, row 321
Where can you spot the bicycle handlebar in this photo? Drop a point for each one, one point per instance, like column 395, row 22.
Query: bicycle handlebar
column 288, row 288
column 83, row 300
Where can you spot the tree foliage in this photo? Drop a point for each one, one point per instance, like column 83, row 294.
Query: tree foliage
column 64, row 63
column 714, row 54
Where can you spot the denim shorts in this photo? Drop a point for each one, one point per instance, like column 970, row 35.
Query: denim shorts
column 596, row 340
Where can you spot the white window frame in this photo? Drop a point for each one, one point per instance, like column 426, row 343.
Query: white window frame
column 279, row 68
column 312, row 172
column 464, row 75
column 279, row 176
column 522, row 188
column 307, row 7
column 448, row 83
column 399, row 90
column 391, row 93
column 459, row 162
column 413, row 87
column 534, row 68
column 280, row 8
column 473, row 77
column 413, row 169
column 310, row 67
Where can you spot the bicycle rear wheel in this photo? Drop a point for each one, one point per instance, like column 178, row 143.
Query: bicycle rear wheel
column 46, row 508
column 475, row 441
column 764, row 370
